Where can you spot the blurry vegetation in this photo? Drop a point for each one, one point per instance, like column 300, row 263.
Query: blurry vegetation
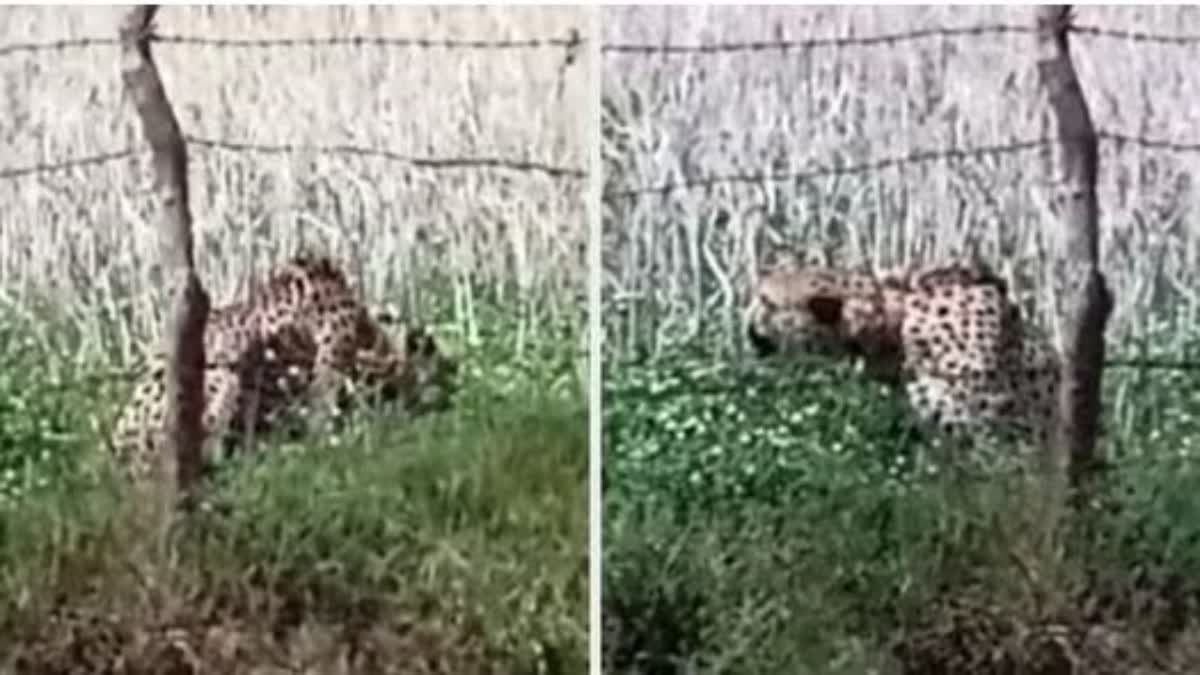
column 763, row 517
column 452, row 543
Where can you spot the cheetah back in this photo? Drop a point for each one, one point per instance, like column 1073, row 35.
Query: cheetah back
column 949, row 334
column 971, row 359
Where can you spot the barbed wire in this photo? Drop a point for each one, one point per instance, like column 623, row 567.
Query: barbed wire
column 572, row 42
column 815, row 43
column 1135, row 35
column 559, row 172
column 823, row 172
column 886, row 39
column 436, row 163
column 521, row 165
column 917, row 157
column 1150, row 143
column 64, row 164
column 56, row 45
column 579, row 174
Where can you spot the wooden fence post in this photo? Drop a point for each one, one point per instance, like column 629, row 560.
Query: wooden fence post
column 184, row 335
column 1087, row 299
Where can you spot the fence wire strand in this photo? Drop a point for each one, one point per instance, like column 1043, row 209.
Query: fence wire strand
column 571, row 43
column 435, row 163
column 887, row 39
column 816, row 43
column 522, row 165
column 1136, row 35
column 1148, row 143
column 574, row 41
column 65, row 164
column 917, row 157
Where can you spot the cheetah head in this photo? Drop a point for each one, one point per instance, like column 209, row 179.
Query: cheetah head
column 405, row 365
column 820, row 311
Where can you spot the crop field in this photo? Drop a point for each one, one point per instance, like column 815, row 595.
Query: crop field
column 451, row 543
column 762, row 518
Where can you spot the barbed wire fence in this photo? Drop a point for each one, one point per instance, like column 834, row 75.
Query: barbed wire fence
column 784, row 47
column 569, row 46
column 520, row 165
column 888, row 39
column 619, row 197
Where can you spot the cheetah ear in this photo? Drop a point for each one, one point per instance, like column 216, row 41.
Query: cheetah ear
column 826, row 309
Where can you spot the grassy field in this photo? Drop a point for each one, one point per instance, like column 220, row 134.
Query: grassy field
column 768, row 519
column 763, row 518
column 454, row 543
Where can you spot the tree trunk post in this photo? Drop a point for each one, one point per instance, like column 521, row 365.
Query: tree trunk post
column 1087, row 301
column 181, row 463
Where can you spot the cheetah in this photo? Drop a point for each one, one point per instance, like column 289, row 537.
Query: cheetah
column 947, row 336
column 248, row 395
column 302, row 342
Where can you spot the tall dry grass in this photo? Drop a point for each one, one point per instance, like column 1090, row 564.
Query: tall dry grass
column 84, row 240
column 678, row 266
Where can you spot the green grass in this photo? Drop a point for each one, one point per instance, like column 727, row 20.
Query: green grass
column 455, row 542
column 768, row 519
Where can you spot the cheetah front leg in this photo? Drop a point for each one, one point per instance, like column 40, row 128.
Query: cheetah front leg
column 227, row 408
column 139, row 435
column 333, row 364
